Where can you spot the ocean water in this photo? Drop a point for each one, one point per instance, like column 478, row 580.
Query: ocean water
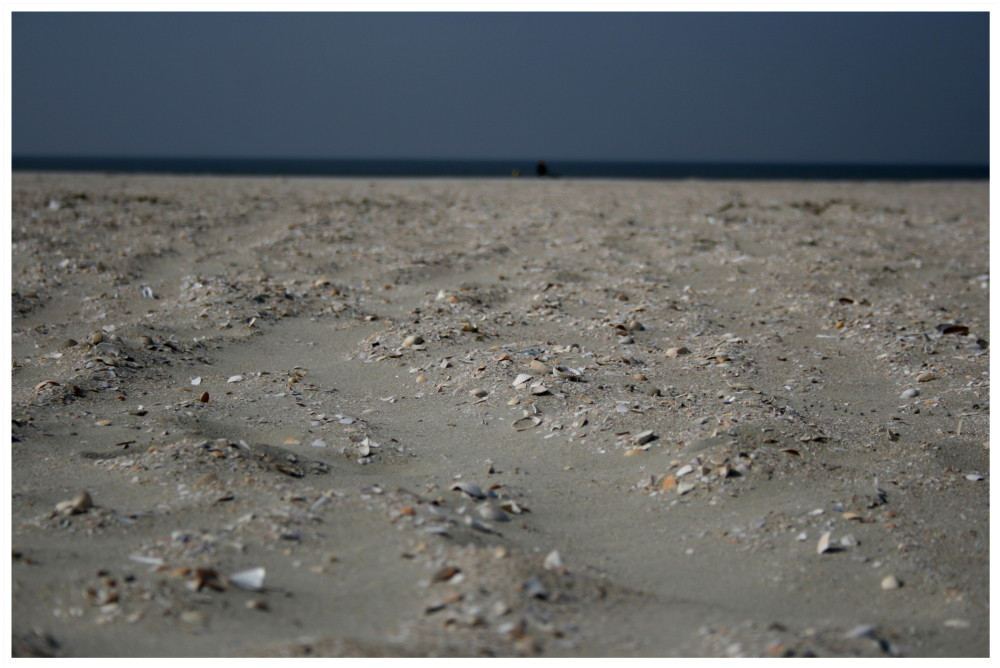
column 500, row 168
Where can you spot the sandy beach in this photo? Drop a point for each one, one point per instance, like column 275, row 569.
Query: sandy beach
column 514, row 417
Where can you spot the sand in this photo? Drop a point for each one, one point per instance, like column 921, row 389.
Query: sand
column 757, row 422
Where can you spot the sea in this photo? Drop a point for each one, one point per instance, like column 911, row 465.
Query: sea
column 575, row 169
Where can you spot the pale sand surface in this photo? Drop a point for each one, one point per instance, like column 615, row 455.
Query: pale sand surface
column 806, row 311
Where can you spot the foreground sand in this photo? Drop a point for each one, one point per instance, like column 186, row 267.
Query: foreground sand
column 316, row 378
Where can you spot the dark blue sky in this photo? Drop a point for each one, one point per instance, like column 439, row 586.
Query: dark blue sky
column 810, row 87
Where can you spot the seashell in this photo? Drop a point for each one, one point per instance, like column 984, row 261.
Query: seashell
column 196, row 380
column 490, row 512
column 891, row 582
column 926, row 376
column 521, row 379
column 824, row 543
column 511, row 507
column 108, row 348
column 526, row 423
column 535, row 589
column 146, row 340
column 80, row 503
column 102, row 423
column 909, row 394
column 566, row 372
column 469, row 489
column 235, row 379
column 412, row 340
column 685, row 487
column 538, row 389
column 539, row 366
column 676, row 352
column 684, row 470
column 96, row 337
column 952, row 329
column 251, row 579
column 553, row 561
column 203, row 398
column 45, row 383
column 478, row 393
column 477, row 525
column 421, row 379
column 644, row 437
column 68, row 343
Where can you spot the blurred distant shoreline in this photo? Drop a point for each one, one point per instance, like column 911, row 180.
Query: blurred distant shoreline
column 500, row 168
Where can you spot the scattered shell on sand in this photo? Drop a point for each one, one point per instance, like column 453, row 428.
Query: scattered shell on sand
column 412, row 340
column 521, row 379
column 479, row 393
column 926, row 376
column 569, row 373
column 539, row 366
column 526, row 423
column 469, row 489
column 909, row 394
column 251, row 579
column 235, row 379
column 490, row 512
column 80, row 503
column 676, row 352
column 891, row 582
column 553, row 561
column 538, row 389
column 824, row 543
column 644, row 437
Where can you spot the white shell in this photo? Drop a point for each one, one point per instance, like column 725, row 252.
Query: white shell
column 526, row 423
column 566, row 372
column 553, row 561
column 521, row 379
column 252, row 579
column 470, row 489
column 824, row 543
column 490, row 512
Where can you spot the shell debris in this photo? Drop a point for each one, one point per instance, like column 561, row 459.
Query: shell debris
column 251, row 579
column 521, row 380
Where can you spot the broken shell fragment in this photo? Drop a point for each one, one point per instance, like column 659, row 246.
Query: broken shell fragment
column 539, row 366
column 553, row 561
column 490, row 512
column 644, row 437
column 478, row 393
column 80, row 503
column 538, row 389
column 521, row 379
column 676, row 352
column 891, row 582
column 469, row 489
column 824, row 543
column 685, row 487
column 526, row 423
column 569, row 373
column 412, row 340
column 251, row 579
